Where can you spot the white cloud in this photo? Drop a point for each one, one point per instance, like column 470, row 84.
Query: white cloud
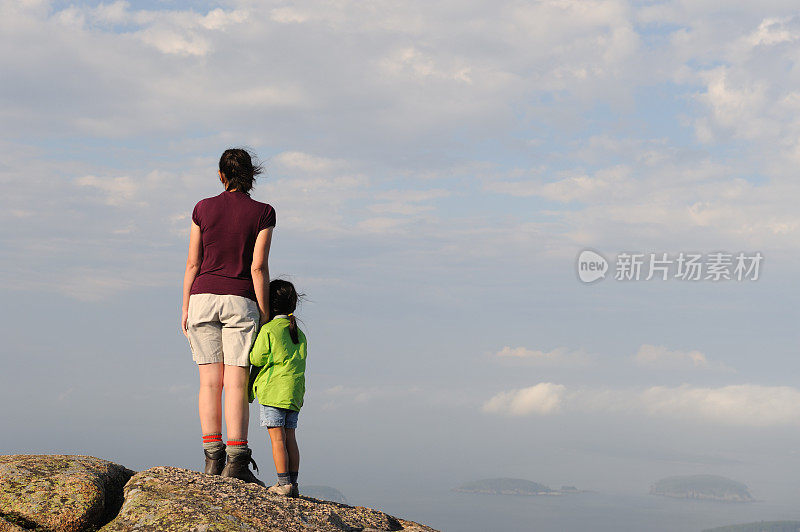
column 63, row 396
column 661, row 357
column 410, row 62
column 605, row 184
column 543, row 398
column 85, row 283
column 409, row 195
column 738, row 405
column 113, row 13
column 175, row 41
column 345, row 79
column 560, row 356
column 406, row 202
column 662, row 195
column 217, row 19
column 773, row 31
column 311, row 194
column 70, row 17
column 184, row 32
column 738, row 107
column 287, row 15
column 419, row 91
column 742, row 405
column 309, row 163
column 381, row 224
column 117, row 189
column 399, row 208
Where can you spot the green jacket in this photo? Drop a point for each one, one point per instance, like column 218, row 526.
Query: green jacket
column 277, row 377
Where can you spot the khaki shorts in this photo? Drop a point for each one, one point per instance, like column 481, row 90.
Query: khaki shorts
column 222, row 328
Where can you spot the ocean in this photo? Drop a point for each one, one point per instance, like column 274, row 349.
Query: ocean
column 596, row 512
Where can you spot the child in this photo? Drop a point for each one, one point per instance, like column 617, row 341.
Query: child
column 278, row 382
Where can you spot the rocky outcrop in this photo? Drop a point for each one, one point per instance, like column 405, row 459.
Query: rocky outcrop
column 178, row 499
column 73, row 493
column 59, row 492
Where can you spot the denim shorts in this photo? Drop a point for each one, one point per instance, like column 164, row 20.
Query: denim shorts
column 272, row 416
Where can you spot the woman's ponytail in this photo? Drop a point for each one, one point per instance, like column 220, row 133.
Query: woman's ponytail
column 236, row 164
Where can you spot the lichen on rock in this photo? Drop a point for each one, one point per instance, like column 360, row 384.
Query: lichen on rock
column 168, row 498
column 81, row 493
column 10, row 525
column 59, row 492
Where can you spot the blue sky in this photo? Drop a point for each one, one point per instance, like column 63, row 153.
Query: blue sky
column 435, row 169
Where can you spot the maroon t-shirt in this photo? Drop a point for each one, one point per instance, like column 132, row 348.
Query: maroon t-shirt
column 229, row 223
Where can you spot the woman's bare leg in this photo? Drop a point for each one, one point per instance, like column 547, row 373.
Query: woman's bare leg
column 209, row 398
column 237, row 407
column 277, row 435
column 292, row 451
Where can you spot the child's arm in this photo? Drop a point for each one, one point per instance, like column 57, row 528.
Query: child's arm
column 251, row 393
column 259, row 355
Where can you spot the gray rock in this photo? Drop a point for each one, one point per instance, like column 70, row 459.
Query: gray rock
column 168, row 498
column 82, row 493
column 59, row 492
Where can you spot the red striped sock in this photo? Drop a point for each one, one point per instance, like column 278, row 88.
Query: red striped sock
column 214, row 437
column 212, row 441
column 237, row 446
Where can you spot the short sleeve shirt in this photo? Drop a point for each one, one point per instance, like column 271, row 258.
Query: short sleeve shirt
column 229, row 224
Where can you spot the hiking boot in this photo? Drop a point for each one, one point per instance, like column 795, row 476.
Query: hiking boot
column 295, row 491
column 215, row 461
column 281, row 489
column 238, row 466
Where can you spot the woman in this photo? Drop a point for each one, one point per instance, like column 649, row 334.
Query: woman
column 225, row 300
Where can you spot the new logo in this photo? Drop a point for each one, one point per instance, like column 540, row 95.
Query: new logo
column 591, row 266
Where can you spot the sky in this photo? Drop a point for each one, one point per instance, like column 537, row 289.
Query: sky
column 436, row 169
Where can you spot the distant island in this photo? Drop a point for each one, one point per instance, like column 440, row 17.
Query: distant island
column 761, row 526
column 706, row 487
column 512, row 486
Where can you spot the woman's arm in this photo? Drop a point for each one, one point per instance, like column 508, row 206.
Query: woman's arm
column 193, row 262
column 260, row 271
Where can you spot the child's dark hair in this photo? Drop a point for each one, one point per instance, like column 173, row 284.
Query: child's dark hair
column 283, row 299
column 236, row 164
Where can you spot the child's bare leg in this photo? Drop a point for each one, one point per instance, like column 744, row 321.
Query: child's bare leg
column 292, row 451
column 277, row 436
